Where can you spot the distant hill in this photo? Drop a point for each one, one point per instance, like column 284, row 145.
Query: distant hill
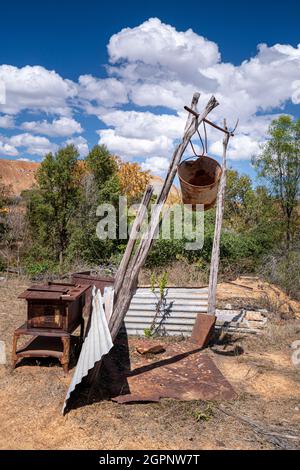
column 20, row 175
column 174, row 195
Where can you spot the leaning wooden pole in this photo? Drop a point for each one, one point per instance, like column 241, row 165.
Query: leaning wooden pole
column 121, row 273
column 215, row 256
column 136, row 227
column 126, row 291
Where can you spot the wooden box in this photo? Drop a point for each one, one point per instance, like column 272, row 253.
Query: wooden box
column 55, row 306
column 100, row 282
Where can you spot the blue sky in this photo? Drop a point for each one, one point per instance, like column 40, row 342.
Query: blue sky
column 71, row 73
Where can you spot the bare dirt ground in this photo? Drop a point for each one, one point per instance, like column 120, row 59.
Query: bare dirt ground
column 264, row 415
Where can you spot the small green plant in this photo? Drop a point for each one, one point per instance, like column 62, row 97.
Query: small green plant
column 147, row 332
column 204, row 414
column 161, row 282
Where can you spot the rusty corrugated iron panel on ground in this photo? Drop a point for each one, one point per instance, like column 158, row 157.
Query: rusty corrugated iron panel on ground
column 183, row 372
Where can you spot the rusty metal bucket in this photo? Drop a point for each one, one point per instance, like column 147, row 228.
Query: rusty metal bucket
column 199, row 180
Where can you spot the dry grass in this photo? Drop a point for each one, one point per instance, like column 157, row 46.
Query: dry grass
column 266, row 381
column 180, row 273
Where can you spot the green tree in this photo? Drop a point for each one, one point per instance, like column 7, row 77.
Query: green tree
column 279, row 165
column 238, row 193
column 100, row 184
column 248, row 208
column 53, row 204
column 103, row 173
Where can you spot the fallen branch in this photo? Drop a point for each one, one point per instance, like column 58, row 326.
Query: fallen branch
column 238, row 285
column 276, row 438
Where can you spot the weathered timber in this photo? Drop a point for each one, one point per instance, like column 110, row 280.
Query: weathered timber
column 121, row 275
column 126, row 292
column 136, row 227
column 214, row 266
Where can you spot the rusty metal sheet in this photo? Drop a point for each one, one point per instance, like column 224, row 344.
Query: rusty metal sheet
column 183, row 372
column 53, row 292
column 49, row 288
column 39, row 295
column 75, row 292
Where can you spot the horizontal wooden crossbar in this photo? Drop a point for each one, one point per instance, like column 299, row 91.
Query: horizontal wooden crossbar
column 209, row 122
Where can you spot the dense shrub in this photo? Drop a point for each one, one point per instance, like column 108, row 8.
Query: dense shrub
column 283, row 269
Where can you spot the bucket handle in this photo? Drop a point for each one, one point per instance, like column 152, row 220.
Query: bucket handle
column 196, row 157
column 188, row 158
column 204, row 148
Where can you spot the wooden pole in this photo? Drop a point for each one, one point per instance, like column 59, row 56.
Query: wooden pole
column 121, row 273
column 214, row 266
column 126, row 292
column 133, row 238
column 127, row 276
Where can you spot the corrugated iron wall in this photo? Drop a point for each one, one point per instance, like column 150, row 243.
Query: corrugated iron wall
column 182, row 304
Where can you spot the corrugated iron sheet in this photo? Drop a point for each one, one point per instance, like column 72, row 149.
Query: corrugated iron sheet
column 97, row 342
column 182, row 304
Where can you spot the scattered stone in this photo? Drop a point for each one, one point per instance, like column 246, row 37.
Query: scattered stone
column 252, row 315
column 228, row 307
column 157, row 349
column 287, row 315
column 220, row 443
column 2, row 353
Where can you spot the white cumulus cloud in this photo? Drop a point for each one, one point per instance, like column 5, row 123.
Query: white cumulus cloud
column 241, row 147
column 35, row 88
column 157, row 165
column 7, row 149
column 104, row 92
column 144, row 125
column 132, row 147
column 35, row 145
column 61, row 127
column 81, row 145
column 158, row 44
column 7, row 122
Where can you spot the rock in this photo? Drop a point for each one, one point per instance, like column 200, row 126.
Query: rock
column 252, row 315
column 228, row 307
column 287, row 315
column 220, row 443
column 2, row 353
column 157, row 349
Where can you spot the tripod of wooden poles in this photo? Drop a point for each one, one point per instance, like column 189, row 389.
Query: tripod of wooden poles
column 138, row 246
